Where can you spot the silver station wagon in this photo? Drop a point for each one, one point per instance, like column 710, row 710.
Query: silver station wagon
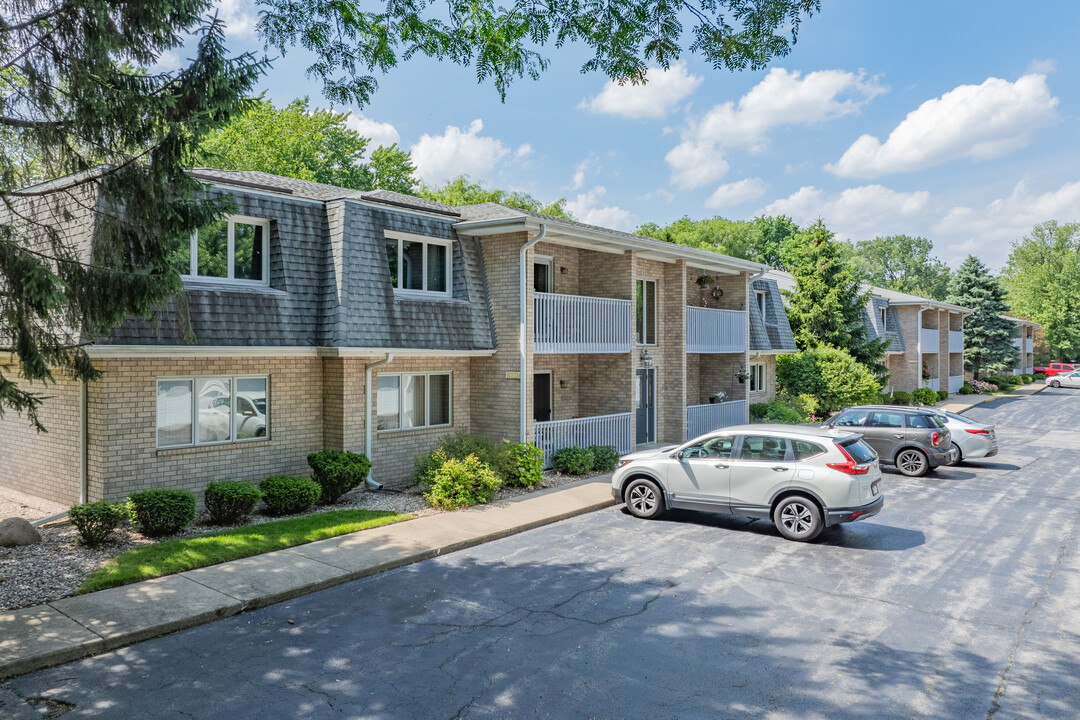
column 802, row 479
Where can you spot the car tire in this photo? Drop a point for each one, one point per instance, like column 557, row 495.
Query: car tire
column 644, row 499
column 798, row 518
column 1055, row 384
column 959, row 455
column 912, row 462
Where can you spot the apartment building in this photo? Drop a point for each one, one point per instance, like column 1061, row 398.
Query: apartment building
column 1025, row 345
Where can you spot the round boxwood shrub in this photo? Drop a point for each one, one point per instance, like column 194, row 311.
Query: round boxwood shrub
column 163, row 511
column 230, row 501
column 461, row 483
column 777, row 411
column 573, row 460
column 520, row 464
column 604, row 457
column 924, row 396
column 942, row 395
column 965, row 389
column 1028, row 378
column 96, row 521
column 900, row 398
column 338, row 472
column 286, row 495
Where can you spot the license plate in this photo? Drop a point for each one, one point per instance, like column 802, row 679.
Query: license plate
column 874, row 488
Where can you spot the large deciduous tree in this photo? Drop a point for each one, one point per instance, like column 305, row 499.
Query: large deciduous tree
column 75, row 104
column 462, row 191
column 762, row 239
column 352, row 40
column 828, row 305
column 988, row 347
column 1042, row 277
column 903, row 263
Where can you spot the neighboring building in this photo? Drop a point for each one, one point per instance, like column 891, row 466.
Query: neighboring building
column 1025, row 345
column 319, row 317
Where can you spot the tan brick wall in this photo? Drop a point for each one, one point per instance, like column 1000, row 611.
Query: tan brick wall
column 44, row 465
column 606, row 384
column 733, row 286
column 565, row 384
column 905, row 367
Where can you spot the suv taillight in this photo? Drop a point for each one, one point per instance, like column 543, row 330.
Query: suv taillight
column 850, row 467
column 935, row 438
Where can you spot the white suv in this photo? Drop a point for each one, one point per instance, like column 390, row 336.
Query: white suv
column 803, row 479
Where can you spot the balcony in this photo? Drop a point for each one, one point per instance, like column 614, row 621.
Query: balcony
column 932, row 383
column 928, row 340
column 956, row 341
column 701, row 419
column 955, row 383
column 1024, row 345
column 715, row 331
column 583, row 432
column 578, row 324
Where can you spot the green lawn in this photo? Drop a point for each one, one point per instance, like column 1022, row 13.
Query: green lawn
column 173, row 556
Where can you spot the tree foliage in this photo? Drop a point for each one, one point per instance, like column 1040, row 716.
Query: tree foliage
column 1042, row 277
column 74, row 101
column 300, row 142
column 462, row 191
column 904, row 264
column 831, row 375
column 351, row 41
column 988, row 347
column 828, row 305
column 762, row 239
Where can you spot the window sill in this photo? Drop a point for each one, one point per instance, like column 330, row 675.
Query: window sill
column 425, row 296
column 225, row 285
column 414, row 430
column 212, row 447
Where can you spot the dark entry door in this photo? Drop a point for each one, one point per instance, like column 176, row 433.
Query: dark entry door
column 542, row 397
column 646, row 408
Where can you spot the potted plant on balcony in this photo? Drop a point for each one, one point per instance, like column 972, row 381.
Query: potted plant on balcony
column 717, row 397
column 706, row 281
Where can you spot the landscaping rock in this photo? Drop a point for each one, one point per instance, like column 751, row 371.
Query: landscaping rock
column 16, row 531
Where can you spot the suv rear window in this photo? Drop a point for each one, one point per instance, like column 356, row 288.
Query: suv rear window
column 804, row 449
column 859, row 451
column 925, row 421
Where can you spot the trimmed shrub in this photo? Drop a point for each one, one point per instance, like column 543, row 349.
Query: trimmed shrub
column 230, row 501
column 338, row 472
column 1000, row 382
column 286, row 495
column 776, row 411
column 573, row 460
column 942, row 395
column 458, row 446
column 96, row 521
column 830, row 375
column 461, row 483
column 1040, row 376
column 899, row 398
column 520, row 464
column 165, row 511
column 924, row 396
column 965, row 389
column 605, row 457
column 1028, row 378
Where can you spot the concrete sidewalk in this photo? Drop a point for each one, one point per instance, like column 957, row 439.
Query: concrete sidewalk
column 75, row 627
column 956, row 405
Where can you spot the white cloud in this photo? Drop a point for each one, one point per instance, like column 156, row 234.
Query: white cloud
column 166, row 62
column 973, row 121
column 379, row 133
column 664, row 90
column 659, row 194
column 588, row 208
column 239, row 17
column 460, row 151
column 856, row 213
column 737, row 193
column 1043, row 66
column 523, row 152
column 782, row 98
column 579, row 174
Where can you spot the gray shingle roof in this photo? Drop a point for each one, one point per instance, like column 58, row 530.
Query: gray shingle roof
column 771, row 333
column 891, row 330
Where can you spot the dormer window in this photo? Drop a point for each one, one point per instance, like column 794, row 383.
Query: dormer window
column 761, row 298
column 419, row 264
column 884, row 315
column 234, row 248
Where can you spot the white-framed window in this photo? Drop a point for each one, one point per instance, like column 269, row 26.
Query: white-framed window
column 761, row 297
column 757, row 377
column 235, row 248
column 645, row 308
column 212, row 410
column 543, row 273
column 405, row 401
column 420, row 264
column 884, row 315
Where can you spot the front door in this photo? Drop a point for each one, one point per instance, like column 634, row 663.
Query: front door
column 646, row 406
column 542, row 396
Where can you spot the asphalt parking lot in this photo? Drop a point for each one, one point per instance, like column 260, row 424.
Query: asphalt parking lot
column 960, row 600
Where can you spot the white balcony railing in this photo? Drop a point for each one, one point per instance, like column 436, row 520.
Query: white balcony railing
column 578, row 324
column 583, row 432
column 1018, row 371
column 955, row 383
column 956, row 341
column 1029, row 345
column 715, row 331
column 1018, row 343
column 701, row 419
column 928, row 340
column 932, row 383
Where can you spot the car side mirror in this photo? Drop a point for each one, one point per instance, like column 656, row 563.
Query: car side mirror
column 677, row 456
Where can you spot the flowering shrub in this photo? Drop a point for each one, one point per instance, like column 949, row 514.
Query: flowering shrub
column 980, row 387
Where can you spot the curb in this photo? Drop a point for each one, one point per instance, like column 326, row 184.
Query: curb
column 68, row 636
column 991, row 398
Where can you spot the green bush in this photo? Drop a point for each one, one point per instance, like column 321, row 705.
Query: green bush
column 230, row 501
column 966, row 389
column 1028, row 378
column 458, row 446
column 605, row 457
column 1040, row 376
column 830, row 375
column 461, row 483
column 776, row 411
column 96, row 521
column 899, row 398
column 165, row 511
column 520, row 464
column 286, row 495
column 924, row 396
column 999, row 381
column 573, row 460
column 942, row 395
column 338, row 472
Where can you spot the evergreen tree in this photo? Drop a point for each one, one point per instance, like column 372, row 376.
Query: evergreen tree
column 828, row 305
column 76, row 103
column 988, row 347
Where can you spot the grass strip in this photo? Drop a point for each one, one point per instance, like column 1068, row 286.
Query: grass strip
column 172, row 556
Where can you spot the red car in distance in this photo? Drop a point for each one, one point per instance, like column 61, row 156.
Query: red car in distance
column 1054, row 368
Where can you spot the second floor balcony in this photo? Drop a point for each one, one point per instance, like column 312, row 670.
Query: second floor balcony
column 956, row 341
column 1024, row 345
column 928, row 340
column 580, row 324
column 715, row 331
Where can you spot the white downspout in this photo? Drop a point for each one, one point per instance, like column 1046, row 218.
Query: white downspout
column 371, row 484
column 918, row 370
column 84, row 472
column 521, row 329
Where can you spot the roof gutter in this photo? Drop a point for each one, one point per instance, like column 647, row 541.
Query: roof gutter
column 371, row 484
column 521, row 325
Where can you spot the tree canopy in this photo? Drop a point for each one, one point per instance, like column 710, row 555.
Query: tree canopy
column 988, row 347
column 904, row 264
column 308, row 144
column 762, row 239
column 120, row 138
column 462, row 191
column 352, row 41
column 1042, row 277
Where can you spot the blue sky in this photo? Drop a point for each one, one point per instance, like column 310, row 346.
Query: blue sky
column 956, row 121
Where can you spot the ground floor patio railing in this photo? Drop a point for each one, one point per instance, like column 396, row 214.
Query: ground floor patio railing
column 597, row 430
column 701, row 419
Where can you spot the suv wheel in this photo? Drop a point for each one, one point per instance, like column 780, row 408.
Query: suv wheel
column 644, row 499
column 1055, row 384
column 912, row 463
column 798, row 518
